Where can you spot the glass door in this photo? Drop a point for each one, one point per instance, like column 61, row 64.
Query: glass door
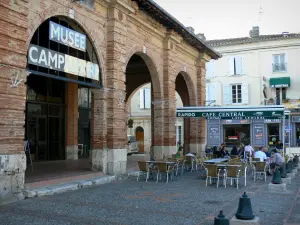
column 41, row 138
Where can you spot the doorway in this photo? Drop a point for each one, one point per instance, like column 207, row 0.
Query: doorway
column 139, row 134
column 45, row 127
column 273, row 134
column 234, row 135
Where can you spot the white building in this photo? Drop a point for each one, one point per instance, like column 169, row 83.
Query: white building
column 257, row 70
column 139, row 110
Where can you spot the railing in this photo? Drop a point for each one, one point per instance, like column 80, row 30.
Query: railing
column 278, row 67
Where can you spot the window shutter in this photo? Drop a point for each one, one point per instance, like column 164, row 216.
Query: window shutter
column 207, row 94
column 147, row 98
column 210, row 69
column 245, row 93
column 239, row 65
column 213, row 93
column 230, row 65
column 227, row 95
column 142, row 105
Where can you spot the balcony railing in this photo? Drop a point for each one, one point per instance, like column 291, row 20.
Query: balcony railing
column 279, row 67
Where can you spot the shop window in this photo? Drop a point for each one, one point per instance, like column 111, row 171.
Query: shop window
column 273, row 134
column 298, row 134
column 234, row 135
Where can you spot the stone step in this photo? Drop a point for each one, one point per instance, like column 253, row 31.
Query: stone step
column 69, row 186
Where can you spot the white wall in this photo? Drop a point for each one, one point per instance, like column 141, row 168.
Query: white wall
column 257, row 63
column 142, row 117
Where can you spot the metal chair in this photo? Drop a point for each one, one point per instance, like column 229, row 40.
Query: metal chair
column 143, row 168
column 233, row 173
column 260, row 168
column 212, row 171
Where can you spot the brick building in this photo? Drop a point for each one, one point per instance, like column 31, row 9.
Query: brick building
column 67, row 69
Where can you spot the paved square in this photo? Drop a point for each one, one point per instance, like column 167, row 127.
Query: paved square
column 184, row 201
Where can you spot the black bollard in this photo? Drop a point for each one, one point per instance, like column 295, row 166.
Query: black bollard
column 283, row 171
column 244, row 211
column 276, row 177
column 221, row 219
column 296, row 157
column 288, row 167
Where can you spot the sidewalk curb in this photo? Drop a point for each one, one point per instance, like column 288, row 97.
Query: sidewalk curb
column 72, row 186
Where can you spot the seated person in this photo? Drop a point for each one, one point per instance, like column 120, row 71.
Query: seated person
column 266, row 152
column 279, row 145
column 277, row 161
column 223, row 152
column 234, row 151
column 260, row 154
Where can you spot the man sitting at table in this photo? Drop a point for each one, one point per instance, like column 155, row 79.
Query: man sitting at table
column 260, row 154
column 223, row 152
column 278, row 161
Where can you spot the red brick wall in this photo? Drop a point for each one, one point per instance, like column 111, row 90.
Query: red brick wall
column 13, row 36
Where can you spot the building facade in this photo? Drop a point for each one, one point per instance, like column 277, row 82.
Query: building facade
column 256, row 70
column 139, row 110
column 67, row 70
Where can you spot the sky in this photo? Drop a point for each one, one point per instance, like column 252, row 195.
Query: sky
column 219, row 19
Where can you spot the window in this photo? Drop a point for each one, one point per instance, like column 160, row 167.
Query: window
column 235, row 65
column 84, row 97
column 210, row 69
column 279, row 63
column 145, row 98
column 210, row 94
column 235, row 94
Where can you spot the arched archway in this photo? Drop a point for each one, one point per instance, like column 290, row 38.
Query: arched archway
column 64, row 67
column 141, row 70
column 185, row 88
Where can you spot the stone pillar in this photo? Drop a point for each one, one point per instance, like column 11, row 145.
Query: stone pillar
column 199, row 127
column 72, row 121
column 116, row 68
column 169, row 98
column 98, row 154
column 157, row 148
column 12, row 117
column 13, row 99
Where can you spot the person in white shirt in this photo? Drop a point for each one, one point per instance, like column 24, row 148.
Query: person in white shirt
column 260, row 154
column 248, row 151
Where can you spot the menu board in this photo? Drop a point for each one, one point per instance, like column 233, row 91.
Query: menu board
column 258, row 133
column 213, row 135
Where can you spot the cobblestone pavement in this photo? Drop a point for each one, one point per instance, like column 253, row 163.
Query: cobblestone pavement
column 184, row 201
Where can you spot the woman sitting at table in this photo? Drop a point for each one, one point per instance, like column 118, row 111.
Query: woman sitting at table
column 223, row 152
column 234, row 151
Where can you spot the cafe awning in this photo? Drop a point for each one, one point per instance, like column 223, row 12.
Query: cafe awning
column 280, row 82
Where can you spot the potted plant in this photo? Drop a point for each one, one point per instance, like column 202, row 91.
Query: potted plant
column 271, row 100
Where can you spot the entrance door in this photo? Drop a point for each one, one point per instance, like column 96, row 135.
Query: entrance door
column 273, row 134
column 139, row 134
column 41, row 138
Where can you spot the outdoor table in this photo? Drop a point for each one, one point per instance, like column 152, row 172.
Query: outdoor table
column 217, row 160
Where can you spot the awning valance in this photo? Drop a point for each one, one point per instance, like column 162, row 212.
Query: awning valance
column 280, row 82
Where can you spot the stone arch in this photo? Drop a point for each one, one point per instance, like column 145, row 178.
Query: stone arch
column 152, row 67
column 190, row 86
column 63, row 11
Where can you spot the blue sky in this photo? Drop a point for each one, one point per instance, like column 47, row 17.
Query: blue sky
column 234, row 18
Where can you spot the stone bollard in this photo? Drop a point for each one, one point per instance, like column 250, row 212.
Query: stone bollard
column 276, row 184
column 244, row 214
column 221, row 219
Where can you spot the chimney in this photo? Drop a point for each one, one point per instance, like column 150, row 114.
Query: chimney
column 191, row 29
column 201, row 36
column 254, row 33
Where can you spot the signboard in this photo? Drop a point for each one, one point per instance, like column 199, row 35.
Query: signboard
column 242, row 115
column 66, row 36
column 258, row 133
column 296, row 119
column 213, row 135
column 57, row 61
column 272, row 120
column 236, row 121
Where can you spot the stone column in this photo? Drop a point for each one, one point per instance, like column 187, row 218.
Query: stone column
column 199, row 125
column 72, row 121
column 12, row 117
column 116, row 67
column 169, row 98
column 98, row 154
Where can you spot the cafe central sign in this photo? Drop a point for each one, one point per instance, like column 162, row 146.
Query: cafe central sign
column 50, row 59
column 243, row 115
